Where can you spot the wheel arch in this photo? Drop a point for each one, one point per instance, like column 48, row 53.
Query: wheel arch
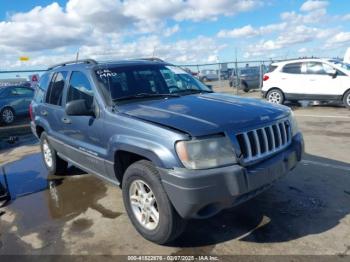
column 272, row 88
column 347, row 90
column 8, row 106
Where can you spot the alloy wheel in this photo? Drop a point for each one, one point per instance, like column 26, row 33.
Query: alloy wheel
column 7, row 116
column 144, row 204
column 275, row 97
column 47, row 153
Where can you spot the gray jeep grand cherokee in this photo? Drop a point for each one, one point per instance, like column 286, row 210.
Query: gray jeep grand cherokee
column 177, row 149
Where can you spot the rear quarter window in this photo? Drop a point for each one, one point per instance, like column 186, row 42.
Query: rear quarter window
column 41, row 88
column 271, row 68
column 55, row 91
column 292, row 68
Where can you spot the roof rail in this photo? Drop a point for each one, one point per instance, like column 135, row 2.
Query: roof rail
column 155, row 59
column 83, row 61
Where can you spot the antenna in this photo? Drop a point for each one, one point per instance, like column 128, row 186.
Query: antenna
column 154, row 51
column 77, row 56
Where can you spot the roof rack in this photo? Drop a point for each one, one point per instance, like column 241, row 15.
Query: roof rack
column 83, row 61
column 155, row 59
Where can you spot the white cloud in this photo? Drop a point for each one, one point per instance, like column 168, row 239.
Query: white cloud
column 41, row 28
column 346, row 17
column 90, row 22
column 171, row 30
column 249, row 31
column 312, row 5
column 245, row 31
column 339, row 39
column 197, row 10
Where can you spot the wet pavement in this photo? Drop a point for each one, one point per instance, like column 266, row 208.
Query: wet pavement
column 306, row 212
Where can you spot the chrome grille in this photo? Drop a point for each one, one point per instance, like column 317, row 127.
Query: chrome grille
column 262, row 142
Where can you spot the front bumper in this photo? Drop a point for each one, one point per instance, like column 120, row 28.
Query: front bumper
column 203, row 193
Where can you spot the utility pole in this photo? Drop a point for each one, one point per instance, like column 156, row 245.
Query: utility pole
column 236, row 69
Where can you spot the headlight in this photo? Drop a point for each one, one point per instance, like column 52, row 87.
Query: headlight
column 206, row 153
column 293, row 123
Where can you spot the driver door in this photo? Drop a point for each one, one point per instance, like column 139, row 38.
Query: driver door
column 84, row 133
column 323, row 83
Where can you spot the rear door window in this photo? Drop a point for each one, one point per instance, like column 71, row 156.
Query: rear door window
column 292, row 68
column 55, row 91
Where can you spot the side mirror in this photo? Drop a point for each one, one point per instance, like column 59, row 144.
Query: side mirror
column 78, row 108
column 333, row 73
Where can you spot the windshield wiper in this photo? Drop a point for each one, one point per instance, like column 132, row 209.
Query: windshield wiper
column 192, row 91
column 143, row 95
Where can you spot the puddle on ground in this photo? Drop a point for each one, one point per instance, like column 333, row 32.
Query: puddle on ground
column 35, row 195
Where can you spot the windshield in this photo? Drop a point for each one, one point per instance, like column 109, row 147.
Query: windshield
column 147, row 81
column 341, row 64
column 249, row 71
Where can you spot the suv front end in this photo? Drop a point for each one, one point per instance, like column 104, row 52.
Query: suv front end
column 223, row 171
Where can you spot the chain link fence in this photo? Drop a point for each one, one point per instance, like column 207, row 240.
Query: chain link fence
column 231, row 76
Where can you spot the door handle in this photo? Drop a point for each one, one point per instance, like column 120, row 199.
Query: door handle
column 66, row 120
column 44, row 113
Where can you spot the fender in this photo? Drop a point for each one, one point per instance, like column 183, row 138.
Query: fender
column 162, row 155
column 39, row 121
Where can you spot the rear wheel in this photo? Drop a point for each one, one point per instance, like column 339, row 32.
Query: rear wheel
column 7, row 115
column 346, row 99
column 244, row 87
column 148, row 206
column 275, row 96
column 54, row 164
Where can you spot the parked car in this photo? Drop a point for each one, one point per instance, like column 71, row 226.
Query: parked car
column 307, row 79
column 208, row 75
column 248, row 78
column 225, row 74
column 14, row 101
column 177, row 150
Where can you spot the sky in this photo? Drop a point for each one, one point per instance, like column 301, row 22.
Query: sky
column 179, row 31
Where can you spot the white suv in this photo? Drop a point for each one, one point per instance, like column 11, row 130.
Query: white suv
column 307, row 79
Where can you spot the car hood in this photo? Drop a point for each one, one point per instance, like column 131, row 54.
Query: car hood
column 204, row 114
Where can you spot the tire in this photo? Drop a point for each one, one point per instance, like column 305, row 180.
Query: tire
column 346, row 99
column 275, row 96
column 169, row 225
column 55, row 166
column 244, row 87
column 7, row 115
column 205, row 79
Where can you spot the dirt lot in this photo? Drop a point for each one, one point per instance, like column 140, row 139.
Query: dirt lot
column 307, row 212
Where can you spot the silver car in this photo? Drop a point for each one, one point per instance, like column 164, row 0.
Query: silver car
column 208, row 75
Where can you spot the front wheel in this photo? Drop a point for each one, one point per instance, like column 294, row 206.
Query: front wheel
column 275, row 96
column 54, row 164
column 148, row 206
column 346, row 99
